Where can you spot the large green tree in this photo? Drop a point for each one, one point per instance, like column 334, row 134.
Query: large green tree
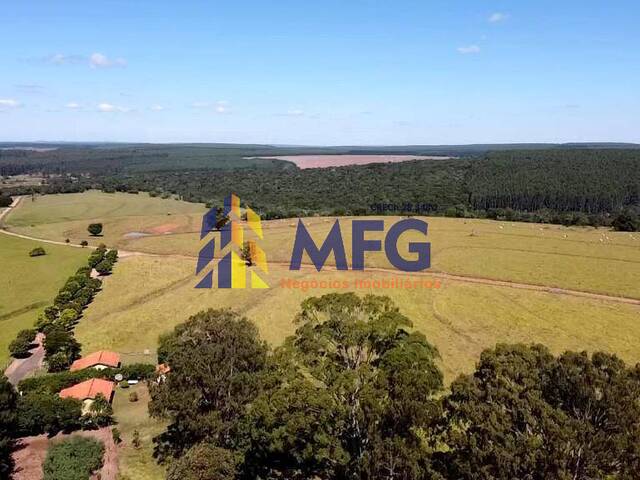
column 527, row 414
column 7, row 426
column 215, row 358
column 352, row 396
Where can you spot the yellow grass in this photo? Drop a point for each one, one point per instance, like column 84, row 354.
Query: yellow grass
column 147, row 296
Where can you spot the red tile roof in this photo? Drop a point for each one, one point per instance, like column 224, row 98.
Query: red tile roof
column 103, row 357
column 89, row 389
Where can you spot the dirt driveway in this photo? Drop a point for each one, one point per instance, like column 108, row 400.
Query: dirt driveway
column 20, row 368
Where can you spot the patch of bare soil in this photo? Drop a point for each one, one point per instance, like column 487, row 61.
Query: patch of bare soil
column 31, row 451
column 324, row 161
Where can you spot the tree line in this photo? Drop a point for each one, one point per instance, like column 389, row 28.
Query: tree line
column 563, row 186
column 355, row 393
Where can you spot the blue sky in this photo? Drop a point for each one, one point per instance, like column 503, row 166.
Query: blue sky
column 321, row 72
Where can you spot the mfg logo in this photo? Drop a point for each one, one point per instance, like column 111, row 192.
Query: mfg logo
column 359, row 245
column 238, row 255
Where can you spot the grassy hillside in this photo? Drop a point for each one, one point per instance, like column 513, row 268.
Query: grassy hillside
column 27, row 284
column 461, row 319
column 579, row 258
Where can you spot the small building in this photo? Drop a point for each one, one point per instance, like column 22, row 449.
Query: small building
column 98, row 360
column 88, row 390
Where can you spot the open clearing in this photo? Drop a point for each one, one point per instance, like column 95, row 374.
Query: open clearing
column 323, row 161
column 28, row 284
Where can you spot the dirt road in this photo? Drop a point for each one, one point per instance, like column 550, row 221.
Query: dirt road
column 14, row 204
column 20, row 368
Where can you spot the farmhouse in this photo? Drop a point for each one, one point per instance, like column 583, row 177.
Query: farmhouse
column 88, row 390
column 98, row 360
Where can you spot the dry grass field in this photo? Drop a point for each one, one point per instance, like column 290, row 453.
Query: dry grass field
column 578, row 258
column 152, row 287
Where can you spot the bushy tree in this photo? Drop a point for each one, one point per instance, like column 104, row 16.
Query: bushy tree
column 43, row 412
column 37, row 252
column 75, row 458
column 104, row 267
column 95, row 229
column 21, row 346
column 8, row 399
column 353, row 395
column 215, row 358
column 246, row 253
column 5, row 200
column 204, row 462
column 60, row 342
column 626, row 221
column 527, row 414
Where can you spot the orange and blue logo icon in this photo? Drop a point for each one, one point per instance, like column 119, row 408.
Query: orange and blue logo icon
column 238, row 246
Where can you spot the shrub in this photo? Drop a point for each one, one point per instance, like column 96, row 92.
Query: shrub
column 626, row 221
column 5, row 200
column 136, row 442
column 133, row 397
column 84, row 243
column 37, row 252
column 73, row 459
column 116, row 436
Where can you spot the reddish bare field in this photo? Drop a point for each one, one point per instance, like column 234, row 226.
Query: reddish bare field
column 322, row 161
column 31, row 452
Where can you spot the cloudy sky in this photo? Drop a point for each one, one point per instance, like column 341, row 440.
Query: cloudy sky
column 321, row 72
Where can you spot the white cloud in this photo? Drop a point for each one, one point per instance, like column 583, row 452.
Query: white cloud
column 95, row 60
column 63, row 59
column 72, row 105
column 498, row 17
column 469, row 49
column 221, row 106
column 98, row 60
column 109, row 108
column 157, row 108
column 295, row 113
column 8, row 103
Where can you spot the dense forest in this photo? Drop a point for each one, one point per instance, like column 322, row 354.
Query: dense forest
column 576, row 184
